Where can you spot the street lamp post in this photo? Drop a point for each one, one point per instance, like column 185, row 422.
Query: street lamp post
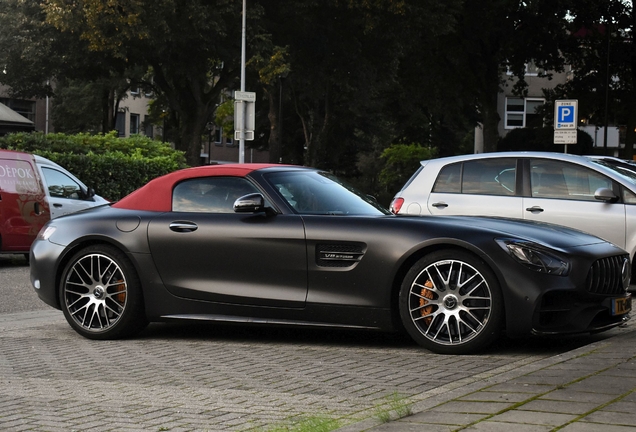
column 210, row 128
column 242, row 104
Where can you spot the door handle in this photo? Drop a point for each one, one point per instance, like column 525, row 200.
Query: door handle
column 57, row 205
column 534, row 209
column 183, row 226
column 440, row 205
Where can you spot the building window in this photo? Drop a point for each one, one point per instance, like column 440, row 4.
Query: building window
column 120, row 124
column 531, row 69
column 134, row 124
column 218, row 136
column 26, row 108
column 522, row 112
column 134, row 91
column 148, row 129
column 221, row 138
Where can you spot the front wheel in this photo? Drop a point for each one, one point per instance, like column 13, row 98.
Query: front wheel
column 100, row 294
column 450, row 303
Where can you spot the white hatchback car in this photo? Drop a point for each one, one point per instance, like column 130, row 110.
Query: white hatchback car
column 66, row 193
column 589, row 194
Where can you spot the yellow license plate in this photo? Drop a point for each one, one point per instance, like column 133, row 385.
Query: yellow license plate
column 622, row 305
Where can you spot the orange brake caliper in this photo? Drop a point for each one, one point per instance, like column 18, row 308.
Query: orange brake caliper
column 429, row 295
column 121, row 289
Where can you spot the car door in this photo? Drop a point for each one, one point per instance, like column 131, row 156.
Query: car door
column 23, row 209
column 65, row 195
column 483, row 187
column 563, row 193
column 203, row 250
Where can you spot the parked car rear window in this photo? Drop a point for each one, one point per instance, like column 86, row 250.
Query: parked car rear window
column 481, row 177
column 449, row 179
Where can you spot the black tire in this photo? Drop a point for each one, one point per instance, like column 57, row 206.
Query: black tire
column 100, row 294
column 450, row 303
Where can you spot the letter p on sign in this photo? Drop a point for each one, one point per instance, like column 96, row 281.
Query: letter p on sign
column 566, row 114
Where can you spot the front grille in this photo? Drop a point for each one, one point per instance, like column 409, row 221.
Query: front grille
column 606, row 275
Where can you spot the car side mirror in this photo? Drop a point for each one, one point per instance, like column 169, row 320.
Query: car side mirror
column 252, row 203
column 605, row 194
column 90, row 192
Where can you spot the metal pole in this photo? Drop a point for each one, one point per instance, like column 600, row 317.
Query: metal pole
column 46, row 121
column 607, row 85
column 242, row 105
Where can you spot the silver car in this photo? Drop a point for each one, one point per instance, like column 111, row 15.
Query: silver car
column 590, row 194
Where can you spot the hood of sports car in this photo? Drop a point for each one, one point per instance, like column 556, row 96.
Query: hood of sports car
column 556, row 236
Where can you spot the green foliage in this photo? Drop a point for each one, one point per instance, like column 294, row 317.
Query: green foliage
column 224, row 117
column 113, row 166
column 395, row 407
column 312, row 424
column 401, row 161
column 542, row 139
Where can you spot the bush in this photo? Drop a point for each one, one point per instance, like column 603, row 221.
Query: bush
column 113, row 166
column 401, row 162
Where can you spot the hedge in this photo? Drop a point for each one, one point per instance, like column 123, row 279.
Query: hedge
column 112, row 166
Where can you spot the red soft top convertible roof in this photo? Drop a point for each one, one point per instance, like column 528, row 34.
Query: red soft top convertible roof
column 156, row 195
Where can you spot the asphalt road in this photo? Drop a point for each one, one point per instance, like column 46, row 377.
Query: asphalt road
column 198, row 376
column 17, row 293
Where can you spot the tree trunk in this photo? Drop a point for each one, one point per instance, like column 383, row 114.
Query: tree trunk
column 275, row 144
column 491, row 123
column 630, row 135
column 191, row 128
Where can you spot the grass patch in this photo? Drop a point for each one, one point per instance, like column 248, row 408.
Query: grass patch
column 311, row 424
column 394, row 408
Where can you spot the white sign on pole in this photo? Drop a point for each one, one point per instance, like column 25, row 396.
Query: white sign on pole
column 245, row 96
column 244, row 120
column 565, row 136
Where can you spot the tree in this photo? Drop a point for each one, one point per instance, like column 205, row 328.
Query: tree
column 36, row 57
column 600, row 48
column 87, row 106
column 340, row 63
column 192, row 48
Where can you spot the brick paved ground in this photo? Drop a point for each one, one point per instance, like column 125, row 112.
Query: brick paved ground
column 215, row 378
column 591, row 388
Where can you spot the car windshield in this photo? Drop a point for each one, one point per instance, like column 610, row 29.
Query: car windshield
column 626, row 170
column 311, row 192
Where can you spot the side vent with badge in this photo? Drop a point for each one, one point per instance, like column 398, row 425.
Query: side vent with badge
column 340, row 255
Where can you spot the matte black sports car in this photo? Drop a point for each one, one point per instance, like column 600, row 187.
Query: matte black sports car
column 289, row 245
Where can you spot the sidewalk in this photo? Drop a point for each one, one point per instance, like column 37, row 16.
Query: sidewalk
column 588, row 389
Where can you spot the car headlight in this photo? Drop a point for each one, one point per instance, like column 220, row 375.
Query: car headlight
column 535, row 256
column 46, row 232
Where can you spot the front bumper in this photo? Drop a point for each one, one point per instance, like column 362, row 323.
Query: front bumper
column 44, row 257
column 562, row 312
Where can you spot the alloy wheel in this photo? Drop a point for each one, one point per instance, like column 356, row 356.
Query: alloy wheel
column 95, row 292
column 450, row 302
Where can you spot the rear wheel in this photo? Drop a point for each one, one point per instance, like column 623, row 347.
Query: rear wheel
column 100, row 294
column 450, row 303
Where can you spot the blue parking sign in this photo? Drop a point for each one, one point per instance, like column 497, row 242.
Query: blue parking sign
column 566, row 114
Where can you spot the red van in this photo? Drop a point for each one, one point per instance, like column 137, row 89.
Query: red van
column 33, row 190
column 24, row 208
